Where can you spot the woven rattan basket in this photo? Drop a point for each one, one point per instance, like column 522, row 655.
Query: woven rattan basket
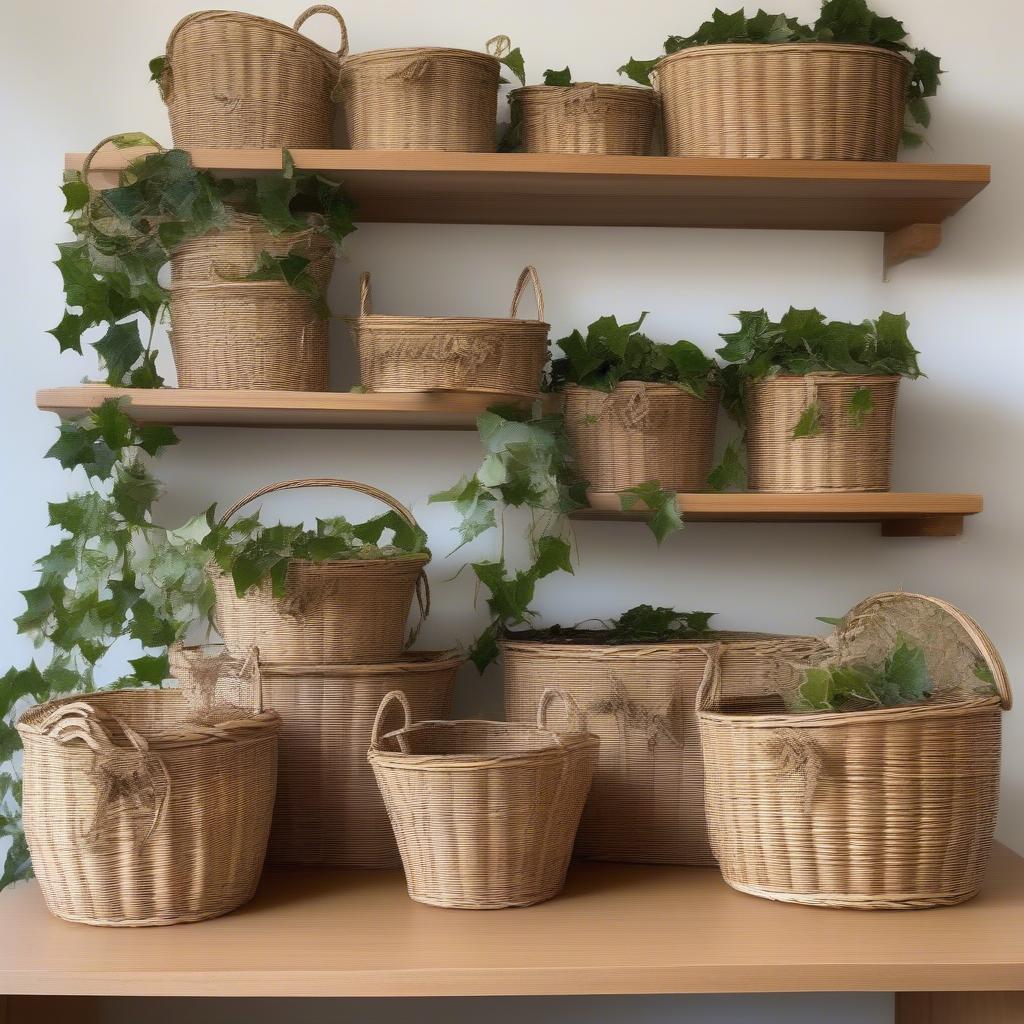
column 485, row 813
column 641, row 432
column 345, row 612
column 238, row 81
column 846, row 455
column 586, row 117
column 887, row 808
column 436, row 353
column 141, row 810
column 647, row 801
column 799, row 101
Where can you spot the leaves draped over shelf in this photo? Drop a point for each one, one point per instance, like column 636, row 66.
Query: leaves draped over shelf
column 839, row 21
column 643, row 624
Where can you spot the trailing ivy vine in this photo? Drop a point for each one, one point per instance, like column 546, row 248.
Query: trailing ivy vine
column 643, row 624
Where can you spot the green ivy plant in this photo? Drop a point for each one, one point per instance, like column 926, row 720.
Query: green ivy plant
column 839, row 21
column 643, row 624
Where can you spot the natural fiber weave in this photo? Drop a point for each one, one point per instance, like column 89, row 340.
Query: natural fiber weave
column 647, row 801
column 434, row 353
column 845, row 456
column 782, row 101
column 586, row 117
column 238, row 81
column 641, row 432
column 140, row 811
column 350, row 611
column 485, row 813
column 889, row 808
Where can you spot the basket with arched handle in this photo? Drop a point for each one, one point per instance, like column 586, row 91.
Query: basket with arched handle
column 350, row 611
column 485, row 813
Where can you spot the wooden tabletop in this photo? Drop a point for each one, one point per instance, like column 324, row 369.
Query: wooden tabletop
column 616, row 929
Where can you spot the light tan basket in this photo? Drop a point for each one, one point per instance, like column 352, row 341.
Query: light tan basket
column 641, row 432
column 436, row 353
column 346, row 612
column 485, row 813
column 784, row 101
column 586, row 117
column 892, row 808
column 845, row 456
column 238, row 81
column 647, row 801
column 139, row 811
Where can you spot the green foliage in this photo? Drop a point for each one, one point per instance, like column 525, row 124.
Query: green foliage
column 730, row 472
column 663, row 505
column 292, row 269
column 563, row 77
column 513, row 60
column 643, row 624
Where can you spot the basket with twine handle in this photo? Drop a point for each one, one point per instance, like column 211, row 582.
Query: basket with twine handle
column 432, row 353
column 347, row 611
column 891, row 808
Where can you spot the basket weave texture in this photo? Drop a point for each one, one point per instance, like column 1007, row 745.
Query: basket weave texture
column 782, row 101
column 139, row 811
column 891, row 808
column 350, row 611
column 641, row 432
column 238, row 81
column 433, row 353
column 485, row 813
column 585, row 117
column 845, row 456
column 647, row 801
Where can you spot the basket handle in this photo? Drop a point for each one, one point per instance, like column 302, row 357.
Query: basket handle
column 390, row 698
column 498, row 46
column 576, row 720
column 325, row 9
column 365, row 295
column 87, row 162
column 709, row 692
column 528, row 274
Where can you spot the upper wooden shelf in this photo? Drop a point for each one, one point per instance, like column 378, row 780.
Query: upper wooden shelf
column 906, row 201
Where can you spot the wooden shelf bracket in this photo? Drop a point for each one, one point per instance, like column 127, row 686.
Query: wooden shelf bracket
column 907, row 243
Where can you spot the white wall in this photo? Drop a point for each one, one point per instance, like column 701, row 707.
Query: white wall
column 75, row 72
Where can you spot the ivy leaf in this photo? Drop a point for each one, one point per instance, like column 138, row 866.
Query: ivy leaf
column 16, row 685
column 665, row 517
column 133, row 493
column 563, row 77
column 513, row 60
column 157, row 66
column 639, row 70
column 730, row 472
column 553, row 555
column 120, row 348
column 76, row 195
column 151, row 668
column 861, row 403
column 809, row 424
column 10, row 743
column 831, row 620
column 113, row 424
column 69, row 332
column 18, row 863
column 148, row 628
column 484, row 650
column 128, row 140
column 154, row 437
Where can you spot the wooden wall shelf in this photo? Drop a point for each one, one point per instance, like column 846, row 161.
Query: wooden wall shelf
column 905, row 201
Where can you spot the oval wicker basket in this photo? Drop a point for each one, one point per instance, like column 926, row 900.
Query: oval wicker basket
column 243, row 82
column 892, row 808
column 138, row 811
column 485, row 813
column 350, row 611
column 435, row 353
column 586, row 117
column 641, row 432
column 647, row 801
column 845, row 456
column 784, row 101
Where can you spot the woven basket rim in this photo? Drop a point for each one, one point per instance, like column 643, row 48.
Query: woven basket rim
column 649, row 385
column 642, row 93
column 368, row 56
column 183, row 286
column 405, row 322
column 422, row 557
column 826, row 377
column 668, row 647
column 808, row 47
column 409, row 662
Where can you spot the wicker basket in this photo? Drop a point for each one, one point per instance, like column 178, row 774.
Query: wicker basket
column 845, row 456
column 647, row 801
column 799, row 101
column 889, row 808
column 139, row 811
column 586, row 117
column 434, row 353
column 641, row 432
column 238, row 81
column 485, row 813
column 344, row 612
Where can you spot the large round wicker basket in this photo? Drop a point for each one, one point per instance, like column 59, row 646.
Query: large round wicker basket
column 641, row 432
column 887, row 808
column 239, row 81
column 848, row 454
column 586, row 117
column 784, row 101
column 139, row 811
column 647, row 800
column 434, row 353
column 485, row 813
column 350, row 611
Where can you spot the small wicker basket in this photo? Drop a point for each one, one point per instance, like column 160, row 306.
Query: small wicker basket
column 434, row 353
column 485, row 813
column 641, row 432
column 893, row 808
column 846, row 455
column 140, row 810
column 345, row 612
column 586, row 117
column 238, row 81
column 784, row 101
